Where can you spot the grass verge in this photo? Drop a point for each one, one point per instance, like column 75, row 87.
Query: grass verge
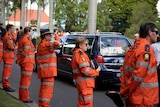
column 8, row 101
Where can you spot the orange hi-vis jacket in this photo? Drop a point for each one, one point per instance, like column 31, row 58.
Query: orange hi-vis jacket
column 83, row 74
column 9, row 46
column 142, row 81
column 46, row 58
column 25, row 51
column 1, row 50
column 126, row 69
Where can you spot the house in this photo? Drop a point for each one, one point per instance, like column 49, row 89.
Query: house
column 31, row 18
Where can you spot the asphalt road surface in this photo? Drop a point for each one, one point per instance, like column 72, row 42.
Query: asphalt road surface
column 65, row 93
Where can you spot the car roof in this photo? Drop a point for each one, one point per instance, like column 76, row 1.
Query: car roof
column 92, row 35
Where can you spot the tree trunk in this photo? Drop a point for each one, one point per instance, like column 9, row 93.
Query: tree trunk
column 23, row 18
column 39, row 18
column 92, row 14
column 3, row 16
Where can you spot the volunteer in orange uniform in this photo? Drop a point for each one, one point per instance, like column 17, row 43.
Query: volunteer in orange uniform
column 46, row 66
column 83, row 74
column 8, row 56
column 25, row 58
column 139, row 82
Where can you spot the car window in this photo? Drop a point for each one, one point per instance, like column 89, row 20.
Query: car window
column 114, row 45
column 70, row 44
column 68, row 49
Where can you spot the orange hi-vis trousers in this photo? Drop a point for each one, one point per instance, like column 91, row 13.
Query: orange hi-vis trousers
column 85, row 98
column 26, row 74
column 7, row 70
column 46, row 91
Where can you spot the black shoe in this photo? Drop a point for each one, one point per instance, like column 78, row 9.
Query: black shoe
column 9, row 89
column 29, row 101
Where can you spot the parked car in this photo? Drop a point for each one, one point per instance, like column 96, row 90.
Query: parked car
column 108, row 49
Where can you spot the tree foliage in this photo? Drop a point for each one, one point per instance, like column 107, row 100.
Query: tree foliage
column 103, row 20
column 72, row 13
column 121, row 12
column 142, row 12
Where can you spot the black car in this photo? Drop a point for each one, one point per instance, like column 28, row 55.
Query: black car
column 108, row 49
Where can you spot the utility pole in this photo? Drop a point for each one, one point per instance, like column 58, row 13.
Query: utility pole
column 92, row 14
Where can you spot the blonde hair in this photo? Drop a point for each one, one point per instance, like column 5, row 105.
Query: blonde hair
column 80, row 40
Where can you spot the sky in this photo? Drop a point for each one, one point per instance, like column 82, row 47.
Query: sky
column 34, row 6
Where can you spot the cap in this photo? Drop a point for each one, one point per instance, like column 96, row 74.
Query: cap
column 45, row 32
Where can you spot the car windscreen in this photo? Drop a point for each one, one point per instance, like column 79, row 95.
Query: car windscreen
column 114, row 45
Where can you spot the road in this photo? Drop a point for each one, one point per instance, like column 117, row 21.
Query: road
column 65, row 94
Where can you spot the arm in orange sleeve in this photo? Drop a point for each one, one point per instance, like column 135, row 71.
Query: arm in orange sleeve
column 84, row 65
column 56, row 43
column 26, row 47
column 10, row 44
column 139, row 73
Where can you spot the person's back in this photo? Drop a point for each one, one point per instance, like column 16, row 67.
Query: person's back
column 141, row 88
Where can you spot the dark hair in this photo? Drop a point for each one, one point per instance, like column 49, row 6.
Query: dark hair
column 145, row 28
column 9, row 26
column 21, row 27
column 42, row 37
column 27, row 29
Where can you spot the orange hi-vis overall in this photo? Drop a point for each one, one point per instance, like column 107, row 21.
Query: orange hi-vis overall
column 47, row 69
column 25, row 58
column 8, row 57
column 84, row 78
column 139, row 81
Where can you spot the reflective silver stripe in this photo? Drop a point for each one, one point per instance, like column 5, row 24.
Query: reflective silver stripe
column 149, row 85
column 30, row 56
column 27, row 47
column 57, row 41
column 135, row 78
column 152, row 70
column 121, row 73
column 128, row 68
column 75, row 70
column 6, row 78
column 87, row 71
column 44, row 99
column 12, row 47
column 86, row 98
column 8, row 41
column 8, row 50
column 25, row 72
column 24, row 86
column 46, row 65
column 46, row 56
column 84, row 64
column 7, row 65
column 32, row 49
column 83, row 78
column 48, row 83
column 145, row 64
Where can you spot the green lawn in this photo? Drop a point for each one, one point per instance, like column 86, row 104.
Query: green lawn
column 8, row 101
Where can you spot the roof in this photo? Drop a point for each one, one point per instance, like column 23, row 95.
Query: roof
column 30, row 14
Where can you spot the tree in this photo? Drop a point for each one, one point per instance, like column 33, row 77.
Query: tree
column 3, row 11
column 72, row 14
column 103, row 19
column 142, row 12
column 121, row 11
